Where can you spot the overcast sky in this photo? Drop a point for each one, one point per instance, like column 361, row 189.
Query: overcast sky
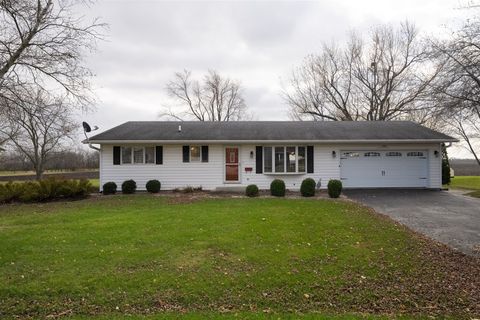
column 257, row 43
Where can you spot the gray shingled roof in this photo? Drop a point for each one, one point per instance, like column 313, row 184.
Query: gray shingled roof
column 270, row 130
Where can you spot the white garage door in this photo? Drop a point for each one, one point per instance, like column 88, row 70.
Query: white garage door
column 383, row 169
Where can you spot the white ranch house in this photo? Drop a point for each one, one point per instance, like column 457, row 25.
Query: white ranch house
column 222, row 155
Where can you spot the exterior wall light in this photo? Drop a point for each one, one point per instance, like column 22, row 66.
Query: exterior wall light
column 334, row 154
column 251, row 154
column 436, row 153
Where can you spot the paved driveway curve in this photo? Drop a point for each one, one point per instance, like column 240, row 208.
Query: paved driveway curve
column 446, row 216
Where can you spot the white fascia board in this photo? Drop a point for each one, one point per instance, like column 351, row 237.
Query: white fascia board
column 270, row 141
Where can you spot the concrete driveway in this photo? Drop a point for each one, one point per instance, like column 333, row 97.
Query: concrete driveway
column 446, row 216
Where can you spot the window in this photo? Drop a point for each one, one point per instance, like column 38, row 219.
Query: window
column 351, row 154
column 371, row 154
column 281, row 159
column 393, row 154
column 301, row 159
column 149, row 154
column 195, row 154
column 138, row 155
column 415, row 154
column 126, row 155
column 291, row 159
column 267, row 159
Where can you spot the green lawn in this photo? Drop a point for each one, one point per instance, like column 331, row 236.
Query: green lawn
column 218, row 258
column 467, row 183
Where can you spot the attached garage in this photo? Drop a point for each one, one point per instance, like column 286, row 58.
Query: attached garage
column 384, row 169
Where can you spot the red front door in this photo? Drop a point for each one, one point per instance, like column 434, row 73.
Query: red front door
column 231, row 164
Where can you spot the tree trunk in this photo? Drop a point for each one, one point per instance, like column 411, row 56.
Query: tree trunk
column 38, row 172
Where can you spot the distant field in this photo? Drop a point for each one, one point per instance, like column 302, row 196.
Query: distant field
column 30, row 172
column 30, row 175
column 465, row 167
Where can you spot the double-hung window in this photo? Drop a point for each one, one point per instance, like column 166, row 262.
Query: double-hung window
column 126, row 155
column 284, row 159
column 195, row 155
column 138, row 155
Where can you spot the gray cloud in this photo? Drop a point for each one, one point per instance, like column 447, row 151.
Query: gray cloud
column 257, row 43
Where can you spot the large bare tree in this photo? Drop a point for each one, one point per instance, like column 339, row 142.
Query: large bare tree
column 37, row 125
column 457, row 88
column 385, row 76
column 42, row 42
column 215, row 98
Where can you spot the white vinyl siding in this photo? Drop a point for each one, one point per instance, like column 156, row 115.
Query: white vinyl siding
column 174, row 173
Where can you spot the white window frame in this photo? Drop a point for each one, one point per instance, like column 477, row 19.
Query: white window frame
column 131, row 155
column 285, row 159
column 199, row 153
column 132, row 163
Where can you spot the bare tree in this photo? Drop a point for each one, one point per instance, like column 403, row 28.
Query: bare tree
column 457, row 88
column 42, row 42
column 384, row 78
column 37, row 125
column 214, row 99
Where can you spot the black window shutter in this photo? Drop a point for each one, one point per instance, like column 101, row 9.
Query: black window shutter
column 186, row 154
column 259, row 159
column 204, row 153
column 159, row 155
column 116, row 155
column 309, row 159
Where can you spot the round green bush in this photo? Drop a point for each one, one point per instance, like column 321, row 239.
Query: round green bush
column 307, row 189
column 334, row 188
column 277, row 188
column 153, row 186
column 251, row 190
column 129, row 186
column 110, row 188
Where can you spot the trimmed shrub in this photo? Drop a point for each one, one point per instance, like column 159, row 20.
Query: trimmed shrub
column 251, row 190
column 44, row 190
column 307, row 189
column 129, row 186
column 10, row 192
column 153, row 186
column 110, row 188
column 31, row 192
column 277, row 188
column 334, row 188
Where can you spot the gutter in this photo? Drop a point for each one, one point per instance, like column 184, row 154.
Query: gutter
column 274, row 141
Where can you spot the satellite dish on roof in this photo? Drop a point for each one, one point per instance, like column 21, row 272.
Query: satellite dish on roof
column 86, row 127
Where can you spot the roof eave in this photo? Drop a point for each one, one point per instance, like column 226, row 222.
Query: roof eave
column 276, row 141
